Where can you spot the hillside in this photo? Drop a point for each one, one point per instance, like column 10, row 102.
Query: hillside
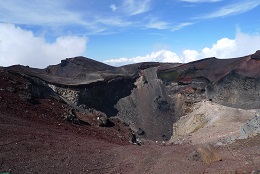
column 83, row 116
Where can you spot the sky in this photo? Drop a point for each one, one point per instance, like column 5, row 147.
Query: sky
column 39, row 33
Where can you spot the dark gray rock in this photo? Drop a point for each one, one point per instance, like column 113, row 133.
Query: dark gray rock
column 251, row 127
column 149, row 107
column 140, row 131
column 235, row 90
column 256, row 55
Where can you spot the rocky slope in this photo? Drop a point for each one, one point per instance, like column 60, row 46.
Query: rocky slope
column 149, row 97
column 79, row 116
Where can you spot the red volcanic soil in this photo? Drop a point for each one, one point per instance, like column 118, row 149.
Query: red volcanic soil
column 214, row 69
column 31, row 146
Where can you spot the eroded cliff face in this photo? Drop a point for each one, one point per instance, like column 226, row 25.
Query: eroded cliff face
column 69, row 94
column 101, row 96
column 234, row 83
column 212, row 103
column 141, row 102
column 237, row 91
column 148, row 107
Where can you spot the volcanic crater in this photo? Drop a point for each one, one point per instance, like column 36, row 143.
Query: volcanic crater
column 83, row 116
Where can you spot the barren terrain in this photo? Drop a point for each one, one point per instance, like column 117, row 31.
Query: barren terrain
column 82, row 116
column 31, row 147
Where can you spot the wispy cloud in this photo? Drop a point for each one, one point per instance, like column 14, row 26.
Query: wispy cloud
column 113, row 7
column 157, row 24
column 59, row 14
column 180, row 26
column 38, row 13
column 233, row 9
column 135, row 7
column 113, row 21
column 94, row 17
column 199, row 1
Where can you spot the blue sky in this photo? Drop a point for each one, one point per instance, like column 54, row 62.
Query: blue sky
column 38, row 33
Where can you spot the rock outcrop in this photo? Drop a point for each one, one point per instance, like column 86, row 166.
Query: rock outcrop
column 251, row 127
column 256, row 55
column 206, row 153
column 148, row 107
column 231, row 82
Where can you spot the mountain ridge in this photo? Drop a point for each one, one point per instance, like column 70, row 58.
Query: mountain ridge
column 127, row 92
column 177, row 114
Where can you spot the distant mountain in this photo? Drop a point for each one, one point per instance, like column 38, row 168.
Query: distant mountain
column 76, row 67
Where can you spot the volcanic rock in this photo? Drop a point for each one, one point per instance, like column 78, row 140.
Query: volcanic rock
column 256, row 55
column 206, row 153
column 251, row 127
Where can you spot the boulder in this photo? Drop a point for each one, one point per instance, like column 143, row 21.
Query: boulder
column 206, row 153
column 140, row 131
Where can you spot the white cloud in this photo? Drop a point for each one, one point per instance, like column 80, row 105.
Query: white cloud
column 135, row 7
column 233, row 9
column 190, row 55
column 113, row 7
column 180, row 26
column 243, row 44
column 246, row 44
column 159, row 56
column 156, row 24
column 18, row 46
column 223, row 48
column 113, row 21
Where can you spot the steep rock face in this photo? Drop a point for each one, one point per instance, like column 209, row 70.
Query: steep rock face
column 104, row 95
column 233, row 82
column 101, row 96
column 138, row 100
column 141, row 101
column 148, row 107
column 235, row 90
column 241, row 86
column 251, row 127
column 70, row 95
